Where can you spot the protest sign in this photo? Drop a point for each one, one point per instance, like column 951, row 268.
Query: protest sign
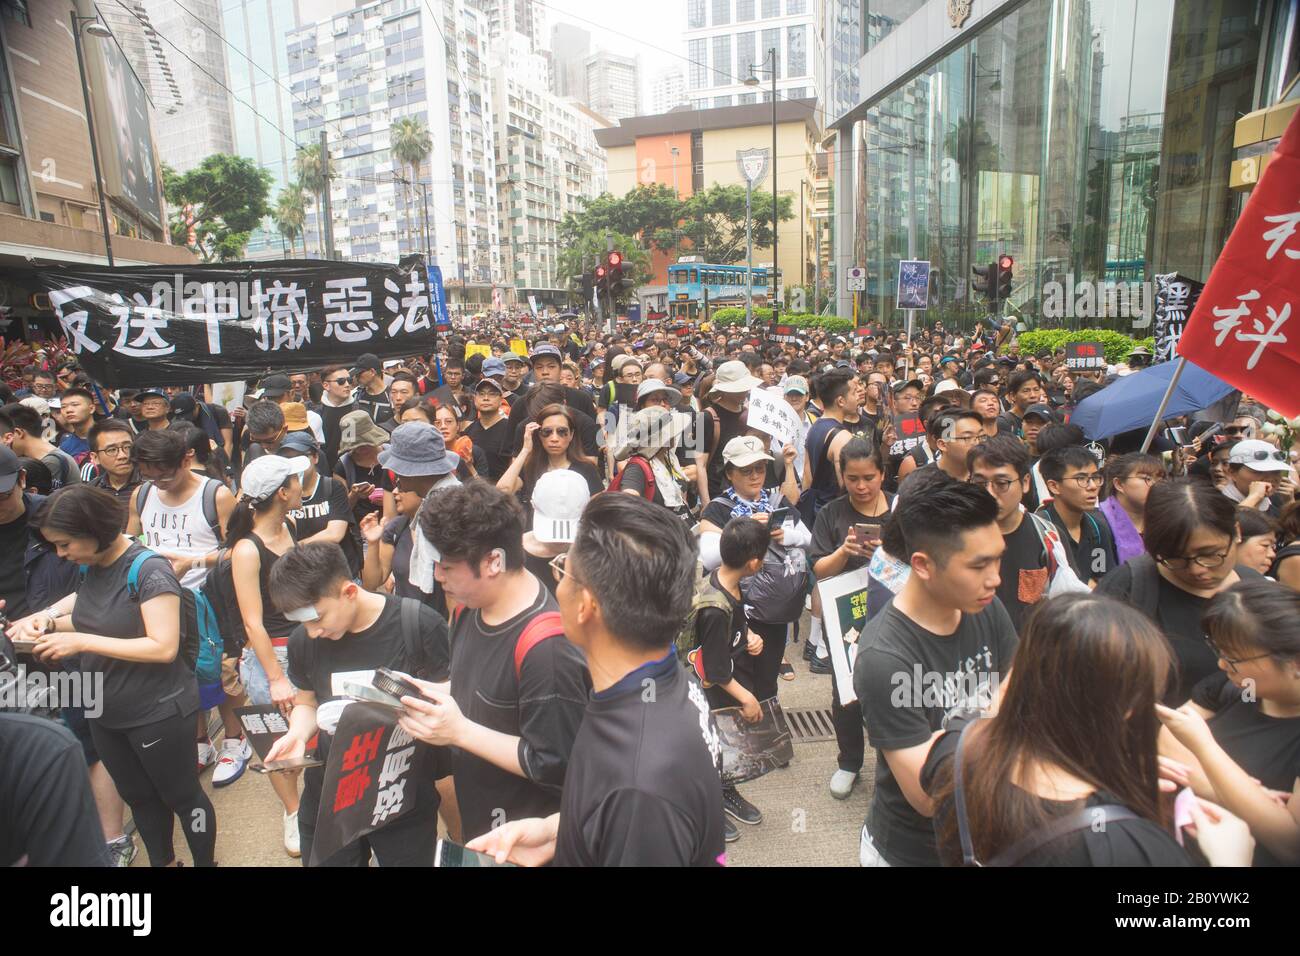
column 844, row 613
column 751, row 750
column 1085, row 356
column 176, row 325
column 771, row 413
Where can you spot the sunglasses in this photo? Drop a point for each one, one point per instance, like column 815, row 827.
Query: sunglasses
column 341, row 381
column 560, row 432
column 1261, row 456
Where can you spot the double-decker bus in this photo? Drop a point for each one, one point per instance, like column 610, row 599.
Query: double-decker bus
column 688, row 281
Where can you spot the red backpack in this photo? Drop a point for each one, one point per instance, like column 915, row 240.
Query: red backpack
column 535, row 631
column 644, row 465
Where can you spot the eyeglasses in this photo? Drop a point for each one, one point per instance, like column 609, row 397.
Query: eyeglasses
column 269, row 439
column 1232, row 662
column 115, row 450
column 1213, row 560
column 1085, row 481
column 561, row 432
column 1148, row 480
column 963, row 438
column 558, row 568
column 1000, row 485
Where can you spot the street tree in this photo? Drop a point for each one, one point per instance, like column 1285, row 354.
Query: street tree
column 215, row 207
column 713, row 222
column 411, row 146
column 290, row 214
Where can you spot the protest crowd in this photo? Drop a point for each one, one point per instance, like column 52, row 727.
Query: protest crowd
column 537, row 592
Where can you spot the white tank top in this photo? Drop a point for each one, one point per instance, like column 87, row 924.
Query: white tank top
column 179, row 529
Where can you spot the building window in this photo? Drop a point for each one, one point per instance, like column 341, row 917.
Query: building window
column 722, row 60
column 720, row 101
column 771, row 8
column 746, row 99
column 694, row 14
column 697, row 52
column 721, row 12
column 744, row 11
column 745, row 56
column 795, row 7
column 797, row 50
column 699, row 104
column 796, row 93
column 771, row 41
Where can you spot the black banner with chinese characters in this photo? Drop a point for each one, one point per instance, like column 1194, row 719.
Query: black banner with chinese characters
column 1085, row 356
column 1176, row 298
column 170, row 325
column 373, row 776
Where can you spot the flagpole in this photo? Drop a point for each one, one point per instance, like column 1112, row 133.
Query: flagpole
column 1164, row 403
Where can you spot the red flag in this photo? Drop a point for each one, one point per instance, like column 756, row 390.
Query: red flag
column 1246, row 326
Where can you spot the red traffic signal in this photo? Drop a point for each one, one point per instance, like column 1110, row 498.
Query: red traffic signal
column 615, row 259
column 600, row 273
column 1005, row 263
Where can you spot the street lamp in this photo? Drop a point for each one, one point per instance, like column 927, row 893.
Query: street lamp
column 752, row 80
column 92, row 27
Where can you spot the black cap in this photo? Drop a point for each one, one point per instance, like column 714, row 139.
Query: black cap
column 368, row 360
column 9, row 468
column 273, row 386
column 1042, row 411
column 183, row 405
column 151, row 393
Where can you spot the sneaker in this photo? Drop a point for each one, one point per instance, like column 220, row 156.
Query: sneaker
column 787, row 670
column 291, row 835
column 729, row 832
column 235, row 755
column 121, row 851
column 842, row 782
column 207, row 755
column 820, row 665
column 739, row 808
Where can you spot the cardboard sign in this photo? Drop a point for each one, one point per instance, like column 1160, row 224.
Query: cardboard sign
column 910, row 431
column 785, row 334
column 846, row 594
column 263, row 725
column 519, row 347
column 771, row 413
column 474, row 349
column 914, row 284
column 1085, row 356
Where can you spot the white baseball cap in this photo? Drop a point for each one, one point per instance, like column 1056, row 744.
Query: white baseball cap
column 263, row 476
column 559, row 498
column 745, row 450
column 1258, row 455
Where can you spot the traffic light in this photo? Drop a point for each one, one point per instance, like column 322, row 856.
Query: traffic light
column 620, row 274
column 1002, row 287
column 985, row 282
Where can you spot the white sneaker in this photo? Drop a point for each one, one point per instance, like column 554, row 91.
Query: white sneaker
column 207, row 754
column 842, row 782
column 291, row 835
column 235, row 755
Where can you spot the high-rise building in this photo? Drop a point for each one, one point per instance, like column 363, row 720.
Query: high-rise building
column 569, row 48
column 548, row 163
column 724, row 38
column 524, row 18
column 359, row 73
column 203, row 126
column 613, row 84
column 668, row 91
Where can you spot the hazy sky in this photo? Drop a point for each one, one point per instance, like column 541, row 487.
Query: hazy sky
column 650, row 29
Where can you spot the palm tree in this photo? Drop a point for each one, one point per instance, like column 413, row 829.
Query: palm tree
column 411, row 146
column 310, row 167
column 290, row 214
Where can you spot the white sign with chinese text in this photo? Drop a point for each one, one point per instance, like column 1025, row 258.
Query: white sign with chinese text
column 769, row 412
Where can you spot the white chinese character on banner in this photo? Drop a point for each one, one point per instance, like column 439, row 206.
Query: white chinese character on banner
column 1230, row 320
column 74, row 323
column 395, row 765
column 388, row 802
column 213, row 304
column 280, row 316
column 146, row 318
column 275, row 724
column 348, row 316
column 1287, row 223
column 253, row 723
column 412, row 313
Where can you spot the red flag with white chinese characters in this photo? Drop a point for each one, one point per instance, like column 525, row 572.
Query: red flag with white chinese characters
column 1246, row 326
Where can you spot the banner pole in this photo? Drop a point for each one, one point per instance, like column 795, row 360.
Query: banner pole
column 1164, row 403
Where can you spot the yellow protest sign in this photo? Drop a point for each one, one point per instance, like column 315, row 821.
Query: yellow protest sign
column 519, row 347
column 473, row 349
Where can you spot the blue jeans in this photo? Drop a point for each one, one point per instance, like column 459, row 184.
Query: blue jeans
column 256, row 683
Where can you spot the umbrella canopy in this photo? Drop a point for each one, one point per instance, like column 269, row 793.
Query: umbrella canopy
column 1132, row 401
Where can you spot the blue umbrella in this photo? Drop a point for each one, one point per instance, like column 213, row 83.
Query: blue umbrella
column 1133, row 401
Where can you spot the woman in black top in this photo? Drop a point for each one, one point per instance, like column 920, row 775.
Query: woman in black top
column 1191, row 537
column 126, row 630
column 1041, row 757
column 1286, row 566
column 1243, row 749
column 548, row 445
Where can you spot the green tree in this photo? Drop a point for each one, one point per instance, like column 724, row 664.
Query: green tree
column 580, row 255
column 713, row 222
column 290, row 214
column 411, row 145
column 649, row 213
column 221, row 201
column 310, row 168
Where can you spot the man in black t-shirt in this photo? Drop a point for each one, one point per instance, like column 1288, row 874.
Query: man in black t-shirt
column 490, row 430
column 345, row 633
column 1074, row 482
column 518, row 687
column 941, row 646
column 326, row 513
column 642, row 786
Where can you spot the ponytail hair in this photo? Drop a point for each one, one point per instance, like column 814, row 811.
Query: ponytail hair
column 240, row 525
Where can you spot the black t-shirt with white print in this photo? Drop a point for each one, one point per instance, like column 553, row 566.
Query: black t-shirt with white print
column 910, row 681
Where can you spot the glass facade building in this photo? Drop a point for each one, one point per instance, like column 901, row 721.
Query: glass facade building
column 1091, row 140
